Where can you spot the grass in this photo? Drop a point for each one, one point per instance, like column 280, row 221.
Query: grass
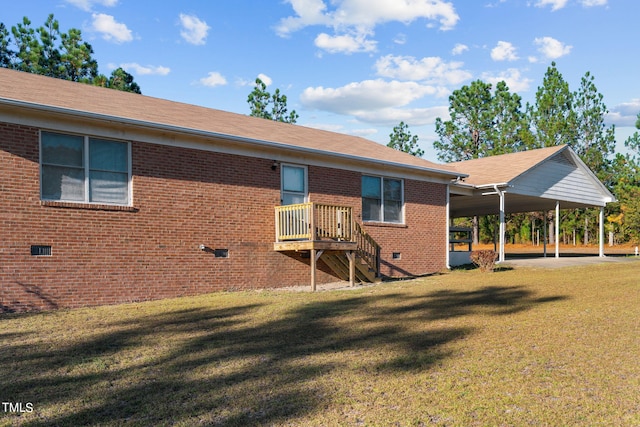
column 518, row 347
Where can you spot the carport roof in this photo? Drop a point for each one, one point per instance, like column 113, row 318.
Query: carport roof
column 532, row 180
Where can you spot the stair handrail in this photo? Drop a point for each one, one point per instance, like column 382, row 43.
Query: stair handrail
column 368, row 249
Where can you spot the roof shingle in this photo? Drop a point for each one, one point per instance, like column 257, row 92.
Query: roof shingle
column 82, row 98
column 504, row 168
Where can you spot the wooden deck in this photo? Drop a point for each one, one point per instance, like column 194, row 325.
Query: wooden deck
column 329, row 233
column 320, row 245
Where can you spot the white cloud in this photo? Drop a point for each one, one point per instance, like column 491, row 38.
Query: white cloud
column 459, row 48
column 625, row 114
column 430, row 69
column 555, row 4
column 87, row 5
column 353, row 21
column 366, row 14
column 552, row 48
column 504, row 51
column 308, row 12
column 346, row 43
column 413, row 116
column 592, row 3
column 374, row 101
column 213, row 79
column 265, row 79
column 559, row 4
column 194, row 30
column 400, row 39
column 110, row 29
column 146, row 70
column 512, row 77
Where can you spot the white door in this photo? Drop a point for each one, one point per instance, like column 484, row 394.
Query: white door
column 294, row 184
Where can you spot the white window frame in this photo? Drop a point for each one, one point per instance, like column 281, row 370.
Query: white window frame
column 306, row 181
column 87, row 169
column 382, row 201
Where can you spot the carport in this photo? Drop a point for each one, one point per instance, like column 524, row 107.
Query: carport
column 545, row 179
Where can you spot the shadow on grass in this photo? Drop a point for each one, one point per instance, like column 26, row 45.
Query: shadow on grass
column 492, row 300
column 235, row 366
column 467, row 267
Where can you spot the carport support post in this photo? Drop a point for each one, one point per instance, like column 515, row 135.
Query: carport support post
column 501, row 255
column 601, row 237
column 557, row 229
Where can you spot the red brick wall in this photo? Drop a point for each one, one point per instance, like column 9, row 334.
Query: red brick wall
column 182, row 198
column 420, row 241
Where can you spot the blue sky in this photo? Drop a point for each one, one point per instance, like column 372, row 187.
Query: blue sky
column 357, row 66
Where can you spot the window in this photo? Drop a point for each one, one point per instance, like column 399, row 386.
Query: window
column 294, row 184
column 82, row 169
column 382, row 199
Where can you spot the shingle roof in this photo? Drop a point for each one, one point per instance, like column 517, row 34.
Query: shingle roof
column 504, row 168
column 82, row 98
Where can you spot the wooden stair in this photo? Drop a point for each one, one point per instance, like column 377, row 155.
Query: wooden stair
column 328, row 233
column 338, row 262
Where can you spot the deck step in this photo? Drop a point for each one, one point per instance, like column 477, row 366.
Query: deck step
column 339, row 264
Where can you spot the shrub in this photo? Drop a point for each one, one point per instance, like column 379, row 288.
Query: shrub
column 485, row 259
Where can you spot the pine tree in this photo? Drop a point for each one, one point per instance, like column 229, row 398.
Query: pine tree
column 269, row 106
column 552, row 118
column 401, row 139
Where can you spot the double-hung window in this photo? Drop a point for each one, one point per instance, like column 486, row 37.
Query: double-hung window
column 382, row 199
column 82, row 169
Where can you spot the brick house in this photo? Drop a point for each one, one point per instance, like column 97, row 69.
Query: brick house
column 111, row 197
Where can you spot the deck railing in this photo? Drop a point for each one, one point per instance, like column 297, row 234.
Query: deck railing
column 314, row 221
column 368, row 249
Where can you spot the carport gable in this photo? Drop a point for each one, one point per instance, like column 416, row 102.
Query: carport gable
column 532, row 180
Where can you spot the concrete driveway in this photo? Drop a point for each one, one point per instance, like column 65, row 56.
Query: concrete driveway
column 564, row 261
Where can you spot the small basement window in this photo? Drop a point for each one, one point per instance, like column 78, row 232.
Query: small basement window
column 40, row 250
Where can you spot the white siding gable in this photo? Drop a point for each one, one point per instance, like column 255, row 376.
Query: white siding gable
column 560, row 178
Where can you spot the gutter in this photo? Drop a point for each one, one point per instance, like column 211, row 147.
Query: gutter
column 235, row 138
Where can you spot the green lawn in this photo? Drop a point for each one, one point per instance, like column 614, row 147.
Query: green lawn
column 519, row 347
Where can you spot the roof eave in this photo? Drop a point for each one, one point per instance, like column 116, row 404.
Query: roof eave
column 444, row 173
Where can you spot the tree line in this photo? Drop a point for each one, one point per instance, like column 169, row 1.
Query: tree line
column 50, row 52
column 485, row 122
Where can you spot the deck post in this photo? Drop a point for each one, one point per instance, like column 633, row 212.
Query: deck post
column 315, row 256
column 313, row 270
column 351, row 255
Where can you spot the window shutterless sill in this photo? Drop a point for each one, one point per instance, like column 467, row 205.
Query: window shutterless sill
column 385, row 224
column 87, row 206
